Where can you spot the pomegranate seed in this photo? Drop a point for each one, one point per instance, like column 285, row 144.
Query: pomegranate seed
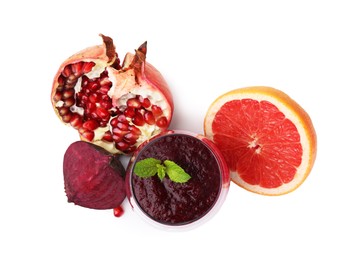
column 104, row 89
column 57, row 96
column 77, row 68
column 60, row 88
column 86, row 91
column 63, row 111
column 70, row 85
column 146, row 103
column 117, row 138
column 122, row 146
column 103, row 123
column 105, row 82
column 107, row 136
column 84, row 99
column 122, row 126
column 133, row 103
column 68, row 93
column 156, row 111
column 114, row 122
column 122, row 118
column 138, row 119
column 81, row 130
column 130, row 138
column 106, row 104
column 66, row 71
column 90, row 106
column 149, row 118
column 91, row 124
column 69, row 101
column 61, row 80
column 92, row 86
column 162, row 122
column 94, row 98
column 88, row 66
column 67, row 117
column 93, row 115
column 129, row 112
column 84, row 81
column 133, row 129
column 76, row 121
column 89, row 135
column 102, row 113
column 90, row 115
column 130, row 149
column 118, row 212
column 71, row 80
column 118, row 131
column 104, row 97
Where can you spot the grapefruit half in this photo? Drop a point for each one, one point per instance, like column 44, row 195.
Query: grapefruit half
column 267, row 139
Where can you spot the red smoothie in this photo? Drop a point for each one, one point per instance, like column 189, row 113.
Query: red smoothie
column 172, row 203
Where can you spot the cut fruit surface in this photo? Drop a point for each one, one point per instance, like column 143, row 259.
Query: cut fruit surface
column 267, row 139
column 113, row 105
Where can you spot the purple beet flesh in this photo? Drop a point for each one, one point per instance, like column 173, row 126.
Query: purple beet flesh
column 93, row 177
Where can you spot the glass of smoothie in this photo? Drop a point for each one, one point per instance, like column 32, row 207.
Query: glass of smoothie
column 174, row 205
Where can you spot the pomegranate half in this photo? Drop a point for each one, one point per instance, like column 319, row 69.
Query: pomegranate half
column 113, row 105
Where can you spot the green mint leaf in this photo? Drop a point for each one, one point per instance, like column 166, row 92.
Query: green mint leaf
column 146, row 167
column 150, row 166
column 175, row 172
column 161, row 171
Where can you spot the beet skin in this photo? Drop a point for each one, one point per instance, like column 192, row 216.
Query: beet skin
column 93, row 177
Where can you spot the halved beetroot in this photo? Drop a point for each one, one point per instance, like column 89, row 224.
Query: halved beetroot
column 93, row 177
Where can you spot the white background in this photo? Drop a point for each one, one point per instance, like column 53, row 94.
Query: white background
column 204, row 49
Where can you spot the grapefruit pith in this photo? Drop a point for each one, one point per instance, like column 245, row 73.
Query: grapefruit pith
column 267, row 139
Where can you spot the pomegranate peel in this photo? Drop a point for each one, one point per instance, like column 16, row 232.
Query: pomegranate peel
column 93, row 178
column 91, row 91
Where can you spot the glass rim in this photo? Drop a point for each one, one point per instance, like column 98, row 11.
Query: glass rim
column 214, row 207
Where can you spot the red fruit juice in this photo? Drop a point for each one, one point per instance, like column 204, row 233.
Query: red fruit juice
column 170, row 203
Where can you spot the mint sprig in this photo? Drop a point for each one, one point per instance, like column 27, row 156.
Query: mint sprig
column 150, row 167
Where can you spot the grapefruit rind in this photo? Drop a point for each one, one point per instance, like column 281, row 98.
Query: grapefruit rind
column 293, row 111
